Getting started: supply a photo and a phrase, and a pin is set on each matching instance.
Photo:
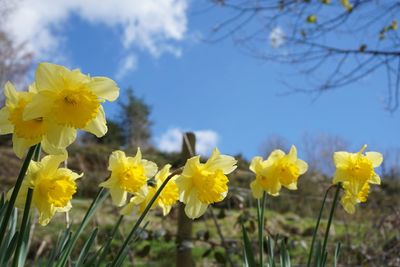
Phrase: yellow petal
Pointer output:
(118, 196)
(256, 164)
(129, 209)
(48, 78)
(21, 145)
(256, 189)
(98, 126)
(52, 162)
(5, 126)
(276, 154)
(150, 168)
(341, 159)
(138, 157)
(302, 166)
(221, 162)
(116, 158)
(375, 179)
(39, 107)
(375, 157)
(60, 136)
(11, 94)
(52, 150)
(292, 153)
(104, 88)
(292, 186)
(194, 208)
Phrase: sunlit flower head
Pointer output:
(53, 187)
(277, 171)
(167, 198)
(128, 175)
(203, 184)
(26, 133)
(355, 171)
(69, 100)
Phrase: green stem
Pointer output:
(120, 254)
(316, 227)
(260, 218)
(36, 155)
(24, 225)
(13, 198)
(335, 199)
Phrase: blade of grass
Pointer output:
(86, 247)
(330, 219)
(97, 201)
(107, 245)
(316, 227)
(271, 255)
(15, 191)
(23, 228)
(248, 250)
(337, 253)
(260, 219)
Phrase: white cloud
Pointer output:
(151, 25)
(277, 37)
(171, 141)
(128, 64)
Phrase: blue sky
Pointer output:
(192, 85)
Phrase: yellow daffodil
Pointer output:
(53, 187)
(346, 4)
(277, 171)
(203, 184)
(69, 100)
(355, 171)
(167, 198)
(26, 133)
(128, 175)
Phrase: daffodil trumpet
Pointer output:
(121, 251)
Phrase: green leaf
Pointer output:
(337, 253)
(271, 254)
(97, 201)
(86, 247)
(248, 250)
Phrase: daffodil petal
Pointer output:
(11, 94)
(47, 77)
(194, 208)
(60, 136)
(21, 145)
(375, 179)
(341, 159)
(52, 162)
(98, 126)
(118, 196)
(52, 150)
(38, 107)
(256, 189)
(255, 165)
(150, 168)
(302, 166)
(115, 157)
(5, 126)
(222, 162)
(104, 88)
(375, 157)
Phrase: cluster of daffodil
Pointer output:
(58, 103)
(355, 171)
(198, 186)
(61, 101)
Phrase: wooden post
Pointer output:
(184, 232)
